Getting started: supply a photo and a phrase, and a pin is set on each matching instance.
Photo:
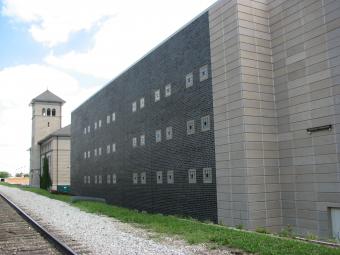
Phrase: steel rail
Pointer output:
(59, 245)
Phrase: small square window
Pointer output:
(134, 142)
(205, 123)
(207, 175)
(170, 177)
(135, 178)
(134, 106)
(113, 147)
(100, 179)
(95, 125)
(89, 154)
(113, 117)
(114, 178)
(108, 149)
(192, 175)
(88, 129)
(189, 80)
(95, 152)
(157, 95)
(100, 151)
(85, 155)
(108, 179)
(168, 133)
(108, 119)
(190, 127)
(142, 102)
(204, 75)
(158, 136)
(89, 179)
(159, 177)
(142, 140)
(168, 90)
(85, 179)
(143, 178)
(84, 131)
(95, 179)
(100, 123)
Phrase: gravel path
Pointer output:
(101, 235)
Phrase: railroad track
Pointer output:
(21, 235)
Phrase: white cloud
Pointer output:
(52, 21)
(19, 85)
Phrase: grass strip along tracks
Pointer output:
(195, 232)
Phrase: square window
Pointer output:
(142, 102)
(189, 80)
(84, 131)
(142, 140)
(95, 125)
(134, 142)
(100, 151)
(207, 175)
(88, 129)
(158, 136)
(95, 152)
(157, 95)
(114, 178)
(89, 154)
(192, 175)
(85, 155)
(143, 178)
(108, 119)
(168, 90)
(205, 123)
(108, 179)
(88, 179)
(113, 147)
(134, 106)
(85, 179)
(100, 123)
(168, 132)
(135, 178)
(95, 179)
(108, 149)
(100, 179)
(113, 117)
(204, 75)
(159, 177)
(190, 127)
(170, 177)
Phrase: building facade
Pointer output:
(249, 94)
(49, 139)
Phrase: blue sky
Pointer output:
(74, 48)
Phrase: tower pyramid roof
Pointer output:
(49, 97)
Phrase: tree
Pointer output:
(4, 174)
(19, 174)
(45, 179)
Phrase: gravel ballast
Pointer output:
(100, 234)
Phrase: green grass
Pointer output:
(195, 232)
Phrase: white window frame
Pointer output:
(135, 178)
(142, 140)
(192, 176)
(95, 125)
(99, 151)
(100, 179)
(85, 179)
(88, 129)
(143, 178)
(204, 73)
(190, 131)
(108, 149)
(95, 152)
(168, 90)
(170, 177)
(189, 80)
(99, 123)
(159, 177)
(157, 95)
(114, 178)
(168, 133)
(207, 175)
(95, 179)
(85, 131)
(134, 142)
(113, 117)
(113, 147)
(205, 119)
(142, 102)
(89, 154)
(158, 135)
(88, 179)
(108, 119)
(108, 179)
(134, 106)
(85, 154)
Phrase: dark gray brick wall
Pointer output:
(183, 53)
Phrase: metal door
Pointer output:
(335, 213)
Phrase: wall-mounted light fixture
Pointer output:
(320, 128)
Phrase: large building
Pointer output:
(51, 141)
(234, 119)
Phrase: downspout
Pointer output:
(57, 161)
